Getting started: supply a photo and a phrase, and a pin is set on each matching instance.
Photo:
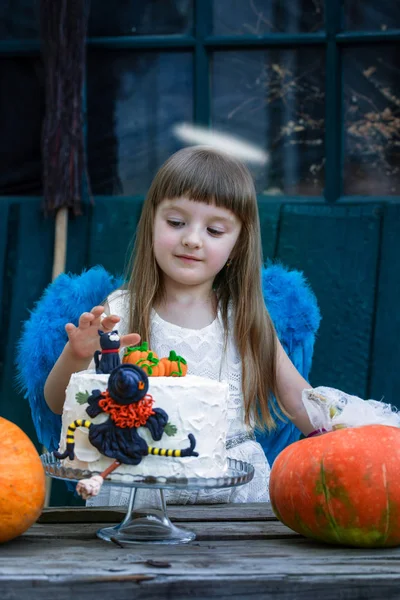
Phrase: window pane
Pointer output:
(21, 117)
(134, 102)
(140, 17)
(19, 19)
(370, 14)
(372, 121)
(275, 100)
(258, 17)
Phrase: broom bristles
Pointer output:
(63, 33)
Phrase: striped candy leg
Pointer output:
(69, 452)
(176, 453)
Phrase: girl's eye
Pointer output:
(213, 231)
(174, 223)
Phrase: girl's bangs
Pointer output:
(210, 178)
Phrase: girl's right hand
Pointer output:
(84, 340)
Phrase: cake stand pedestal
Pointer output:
(146, 519)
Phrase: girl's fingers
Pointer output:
(85, 320)
(69, 328)
(97, 311)
(109, 322)
(89, 318)
(93, 319)
(132, 339)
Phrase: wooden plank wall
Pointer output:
(349, 253)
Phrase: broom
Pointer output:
(63, 25)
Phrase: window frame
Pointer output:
(203, 45)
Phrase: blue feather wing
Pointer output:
(43, 339)
(294, 311)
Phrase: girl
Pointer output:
(195, 286)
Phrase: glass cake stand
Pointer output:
(146, 519)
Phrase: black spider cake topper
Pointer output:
(129, 407)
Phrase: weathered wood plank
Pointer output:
(385, 359)
(196, 512)
(112, 228)
(30, 265)
(44, 550)
(3, 245)
(337, 248)
(195, 565)
(296, 588)
(147, 587)
(204, 530)
(269, 222)
(78, 241)
(271, 554)
(5, 275)
(48, 561)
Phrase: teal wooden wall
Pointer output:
(348, 252)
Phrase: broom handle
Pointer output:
(60, 242)
(59, 262)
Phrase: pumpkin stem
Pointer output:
(144, 346)
(174, 357)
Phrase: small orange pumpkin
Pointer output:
(22, 482)
(152, 365)
(134, 353)
(175, 366)
(144, 358)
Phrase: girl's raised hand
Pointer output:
(84, 339)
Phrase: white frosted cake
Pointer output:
(194, 405)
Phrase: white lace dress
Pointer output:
(203, 351)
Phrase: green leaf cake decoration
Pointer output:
(82, 397)
(170, 429)
(144, 347)
(144, 362)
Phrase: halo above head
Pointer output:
(230, 144)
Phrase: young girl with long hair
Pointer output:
(195, 286)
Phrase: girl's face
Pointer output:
(193, 240)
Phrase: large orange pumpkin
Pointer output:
(342, 487)
(22, 482)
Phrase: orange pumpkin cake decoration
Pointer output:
(171, 366)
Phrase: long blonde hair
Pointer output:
(206, 175)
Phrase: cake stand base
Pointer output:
(146, 520)
(146, 524)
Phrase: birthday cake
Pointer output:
(136, 423)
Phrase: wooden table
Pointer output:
(241, 551)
